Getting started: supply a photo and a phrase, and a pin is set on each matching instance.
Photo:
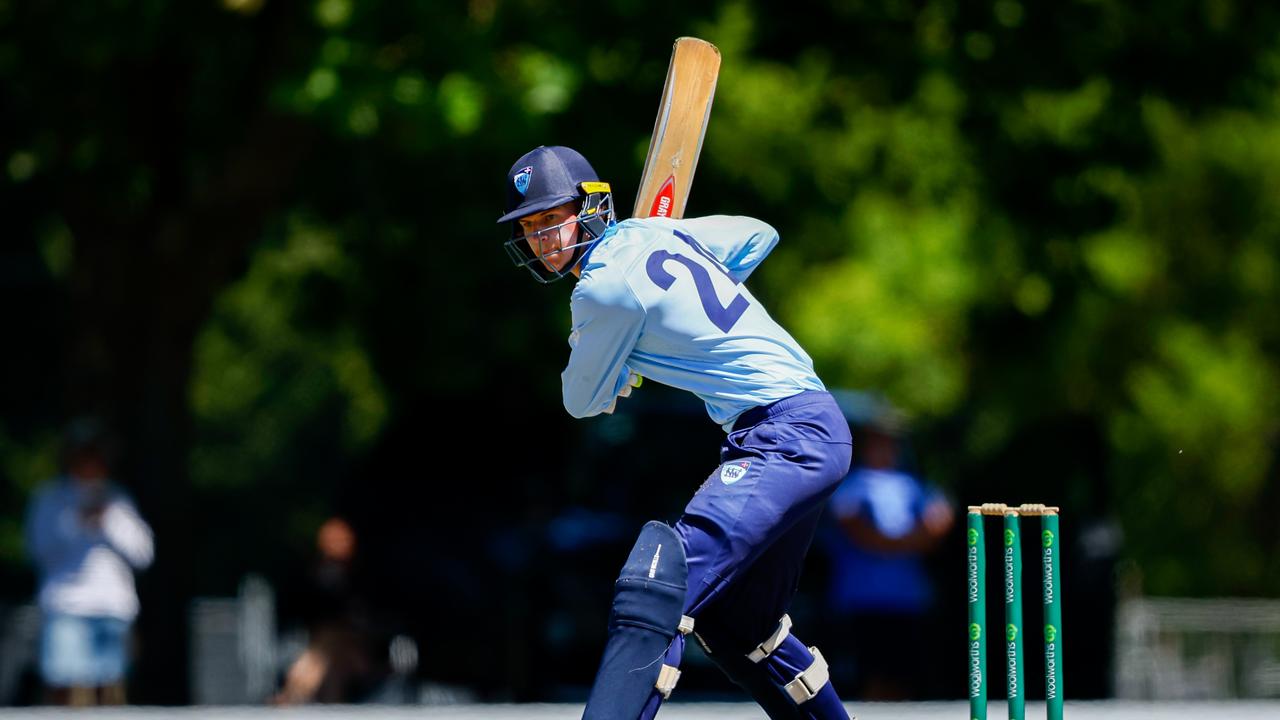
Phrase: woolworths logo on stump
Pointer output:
(973, 536)
(1050, 662)
(1048, 538)
(1011, 632)
(975, 631)
(1008, 538)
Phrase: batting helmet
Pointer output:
(547, 177)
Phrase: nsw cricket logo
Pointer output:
(522, 179)
(731, 473)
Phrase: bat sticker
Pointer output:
(666, 195)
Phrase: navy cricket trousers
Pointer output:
(747, 529)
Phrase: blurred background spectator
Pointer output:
(86, 539)
(883, 522)
(339, 663)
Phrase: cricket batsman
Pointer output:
(664, 299)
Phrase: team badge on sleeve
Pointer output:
(732, 472)
(522, 179)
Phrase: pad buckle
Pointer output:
(668, 676)
(807, 684)
(763, 650)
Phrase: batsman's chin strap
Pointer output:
(809, 681)
(670, 675)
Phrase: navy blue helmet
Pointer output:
(548, 177)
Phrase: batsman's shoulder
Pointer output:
(731, 224)
(746, 223)
(623, 246)
(634, 227)
(604, 287)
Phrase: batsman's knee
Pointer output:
(646, 629)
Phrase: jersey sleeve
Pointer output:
(607, 321)
(44, 542)
(739, 243)
(128, 533)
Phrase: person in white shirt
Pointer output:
(86, 539)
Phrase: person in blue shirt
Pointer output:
(885, 522)
(87, 540)
(665, 300)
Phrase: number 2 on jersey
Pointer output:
(721, 316)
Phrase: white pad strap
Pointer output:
(668, 676)
(807, 684)
(667, 679)
(768, 646)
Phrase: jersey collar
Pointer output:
(608, 233)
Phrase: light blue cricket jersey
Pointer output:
(664, 298)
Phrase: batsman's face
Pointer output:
(550, 232)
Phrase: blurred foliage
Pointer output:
(279, 367)
(1030, 226)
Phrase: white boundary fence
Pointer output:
(1179, 648)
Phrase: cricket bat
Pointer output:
(678, 130)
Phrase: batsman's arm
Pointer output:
(739, 243)
(607, 321)
(633, 381)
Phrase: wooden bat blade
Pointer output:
(679, 129)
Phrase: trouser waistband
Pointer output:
(757, 415)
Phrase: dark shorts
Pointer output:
(747, 529)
